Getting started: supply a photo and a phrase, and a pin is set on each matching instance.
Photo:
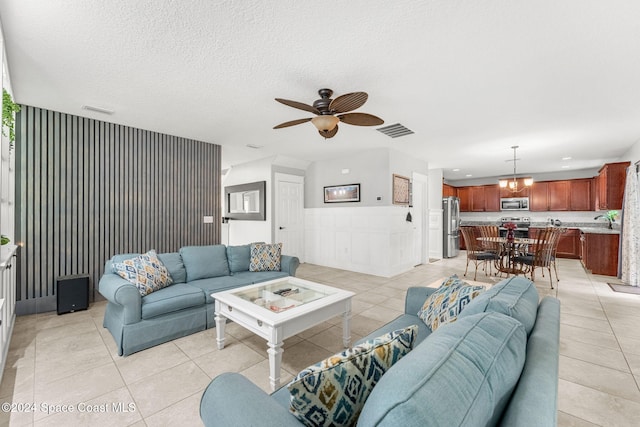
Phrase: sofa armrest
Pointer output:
(415, 298)
(534, 401)
(121, 292)
(233, 400)
(289, 264)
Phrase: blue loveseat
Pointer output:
(496, 365)
(185, 307)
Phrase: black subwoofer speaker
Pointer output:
(72, 293)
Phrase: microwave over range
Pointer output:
(514, 203)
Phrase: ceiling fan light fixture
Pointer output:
(325, 122)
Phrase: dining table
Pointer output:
(509, 249)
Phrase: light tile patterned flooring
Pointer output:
(69, 362)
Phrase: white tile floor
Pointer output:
(69, 362)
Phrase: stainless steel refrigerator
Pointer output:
(451, 226)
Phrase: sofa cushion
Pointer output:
(173, 298)
(239, 258)
(446, 303)
(145, 271)
(265, 257)
(516, 297)
(333, 391)
(173, 262)
(218, 284)
(462, 374)
(202, 262)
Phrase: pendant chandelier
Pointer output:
(513, 184)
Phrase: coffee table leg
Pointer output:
(346, 324)
(275, 360)
(220, 324)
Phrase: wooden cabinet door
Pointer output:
(580, 195)
(465, 199)
(558, 195)
(477, 198)
(539, 199)
(569, 244)
(602, 188)
(492, 198)
(448, 191)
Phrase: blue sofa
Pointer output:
(497, 364)
(138, 322)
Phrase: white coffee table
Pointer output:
(270, 311)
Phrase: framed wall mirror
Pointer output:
(246, 201)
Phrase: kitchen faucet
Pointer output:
(607, 218)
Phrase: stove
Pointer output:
(522, 226)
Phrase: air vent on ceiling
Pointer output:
(395, 131)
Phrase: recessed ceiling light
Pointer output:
(567, 158)
(97, 109)
(254, 146)
(468, 175)
(565, 166)
(456, 170)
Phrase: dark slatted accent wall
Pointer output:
(87, 189)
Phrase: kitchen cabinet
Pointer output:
(464, 194)
(611, 181)
(448, 191)
(562, 195)
(599, 253)
(580, 194)
(477, 199)
(539, 198)
(568, 243)
(559, 195)
(492, 198)
(506, 192)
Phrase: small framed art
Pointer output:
(401, 190)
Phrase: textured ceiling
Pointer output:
(470, 78)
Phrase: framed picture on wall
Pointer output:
(342, 193)
(401, 190)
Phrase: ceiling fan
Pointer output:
(325, 109)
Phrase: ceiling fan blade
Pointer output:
(360, 119)
(292, 123)
(329, 133)
(348, 102)
(299, 105)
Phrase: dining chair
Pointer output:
(476, 252)
(491, 231)
(540, 253)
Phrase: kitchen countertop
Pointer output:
(598, 230)
(585, 227)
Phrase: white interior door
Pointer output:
(289, 215)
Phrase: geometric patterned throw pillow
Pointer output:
(145, 271)
(265, 257)
(444, 305)
(333, 392)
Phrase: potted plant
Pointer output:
(9, 108)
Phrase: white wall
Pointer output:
(371, 240)
(435, 214)
(633, 155)
(238, 232)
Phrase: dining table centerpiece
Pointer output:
(510, 226)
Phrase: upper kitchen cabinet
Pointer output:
(564, 195)
(465, 199)
(580, 195)
(479, 198)
(449, 191)
(610, 185)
